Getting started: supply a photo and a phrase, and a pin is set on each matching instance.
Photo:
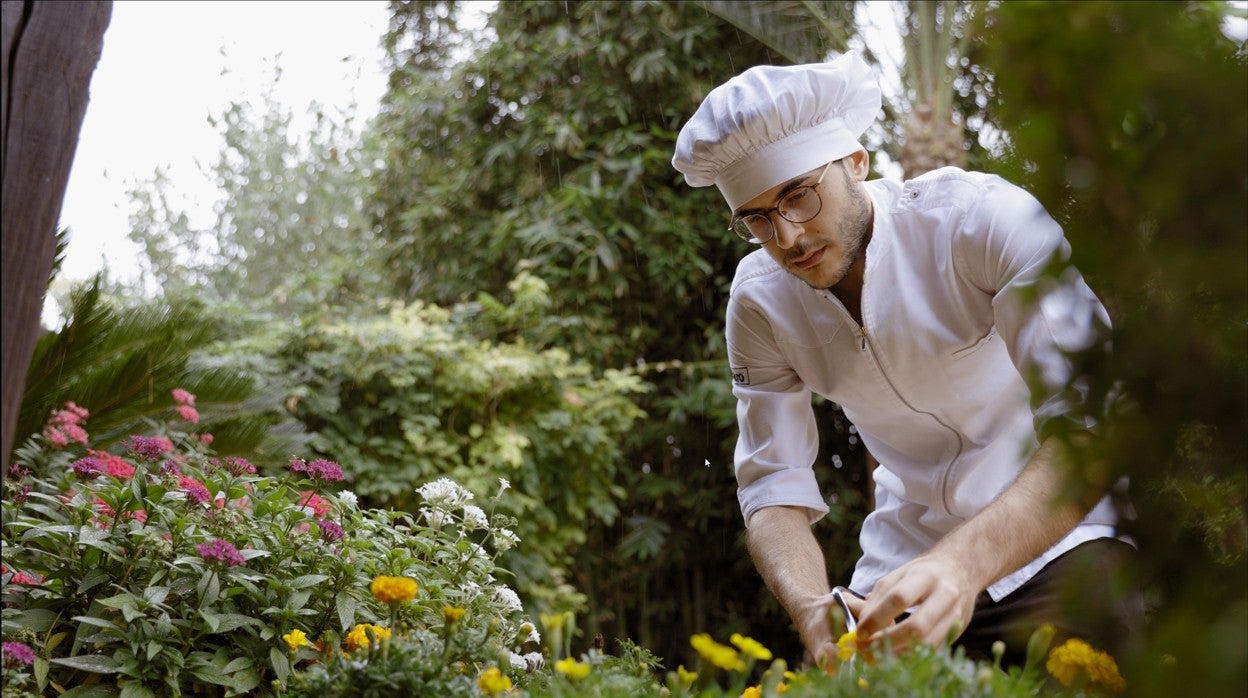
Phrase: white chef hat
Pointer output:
(772, 123)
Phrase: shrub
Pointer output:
(163, 569)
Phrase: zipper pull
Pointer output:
(862, 336)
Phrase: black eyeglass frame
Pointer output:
(766, 213)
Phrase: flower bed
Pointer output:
(165, 570)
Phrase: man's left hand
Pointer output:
(935, 589)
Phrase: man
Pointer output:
(921, 308)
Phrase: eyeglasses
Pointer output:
(798, 206)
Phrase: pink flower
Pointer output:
(220, 551)
(206, 439)
(330, 531)
(115, 466)
(319, 505)
(188, 413)
(17, 653)
(87, 468)
(23, 578)
(182, 397)
(75, 433)
(196, 493)
(56, 437)
(234, 464)
(148, 446)
(80, 412)
(320, 469)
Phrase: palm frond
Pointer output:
(802, 31)
(122, 365)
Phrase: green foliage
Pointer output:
(1141, 154)
(121, 364)
(420, 392)
(293, 228)
(116, 587)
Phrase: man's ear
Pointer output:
(859, 164)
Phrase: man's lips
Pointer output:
(809, 260)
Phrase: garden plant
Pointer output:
(163, 569)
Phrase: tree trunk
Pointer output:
(50, 50)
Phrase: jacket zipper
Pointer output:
(861, 330)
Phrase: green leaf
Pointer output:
(93, 579)
(232, 621)
(346, 610)
(95, 663)
(307, 580)
(134, 690)
(280, 663)
(93, 691)
(213, 675)
(211, 619)
(99, 623)
(39, 620)
(156, 594)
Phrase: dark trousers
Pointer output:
(1088, 592)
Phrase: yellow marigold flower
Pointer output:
(781, 688)
(393, 589)
(1076, 657)
(716, 654)
(685, 676)
(847, 646)
(492, 681)
(296, 639)
(752, 692)
(572, 669)
(453, 614)
(358, 637)
(863, 683)
(751, 647)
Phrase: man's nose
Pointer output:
(787, 232)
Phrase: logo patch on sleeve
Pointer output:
(741, 376)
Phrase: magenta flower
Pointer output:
(220, 551)
(18, 653)
(330, 531)
(87, 468)
(22, 494)
(323, 470)
(196, 493)
(148, 446)
(234, 464)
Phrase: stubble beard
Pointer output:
(855, 228)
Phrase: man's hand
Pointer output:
(818, 635)
(941, 596)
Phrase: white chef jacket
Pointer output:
(954, 314)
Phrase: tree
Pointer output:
(292, 228)
(1142, 154)
(935, 120)
(50, 51)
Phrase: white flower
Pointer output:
(433, 517)
(444, 493)
(474, 518)
(517, 661)
(505, 539)
(503, 485)
(533, 635)
(508, 599)
(534, 660)
(348, 499)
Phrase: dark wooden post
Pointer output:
(50, 50)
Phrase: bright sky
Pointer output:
(167, 66)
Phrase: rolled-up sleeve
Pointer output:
(778, 438)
